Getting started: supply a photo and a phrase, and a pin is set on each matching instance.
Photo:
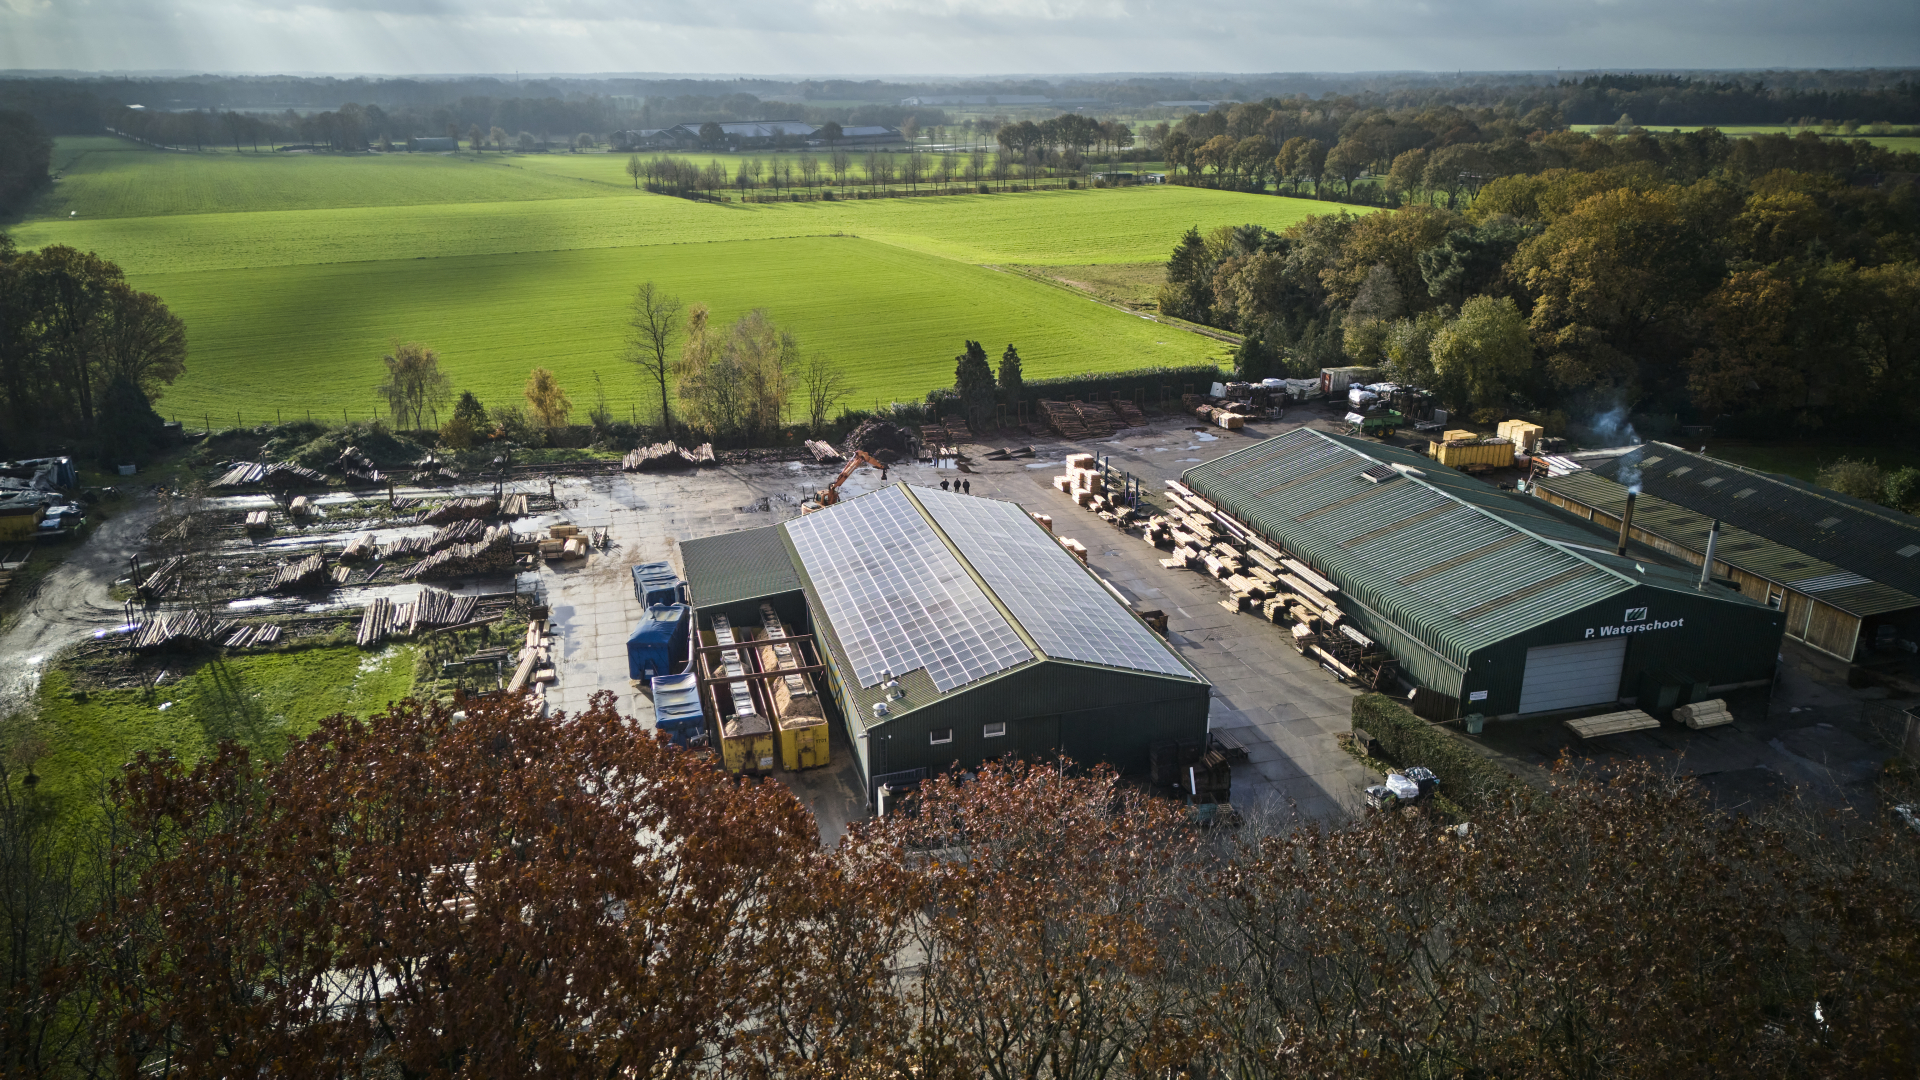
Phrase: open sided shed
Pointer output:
(1501, 603)
(955, 629)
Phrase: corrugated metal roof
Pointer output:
(1852, 535)
(1737, 546)
(735, 566)
(1454, 562)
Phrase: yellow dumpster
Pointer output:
(1525, 435)
(1491, 452)
(746, 735)
(800, 724)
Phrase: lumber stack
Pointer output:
(1704, 714)
(360, 547)
(1613, 723)
(1075, 547)
(535, 654)
(339, 575)
(491, 554)
(300, 507)
(299, 574)
(824, 452)
(1067, 419)
(1129, 413)
(514, 505)
(375, 620)
(1086, 484)
(666, 455)
(406, 545)
(460, 532)
(458, 510)
(258, 521)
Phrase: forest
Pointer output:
(1764, 283)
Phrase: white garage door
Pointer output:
(1569, 676)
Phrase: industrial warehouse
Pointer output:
(1845, 572)
(1494, 603)
(951, 629)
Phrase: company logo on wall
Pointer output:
(1635, 621)
(1636, 614)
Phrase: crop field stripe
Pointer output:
(311, 337)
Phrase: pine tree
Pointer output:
(973, 378)
(1010, 378)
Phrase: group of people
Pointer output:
(964, 487)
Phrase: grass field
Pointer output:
(295, 272)
(259, 701)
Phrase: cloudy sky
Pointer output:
(962, 37)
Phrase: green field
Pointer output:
(295, 272)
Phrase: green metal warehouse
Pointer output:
(955, 630)
(1498, 603)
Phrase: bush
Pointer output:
(1465, 777)
(1852, 476)
(1902, 489)
(518, 428)
(373, 439)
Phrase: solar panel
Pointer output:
(1066, 612)
(897, 598)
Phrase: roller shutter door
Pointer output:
(1569, 676)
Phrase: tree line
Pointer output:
(82, 354)
(877, 171)
(497, 893)
(26, 158)
(1774, 279)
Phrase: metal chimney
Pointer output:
(1626, 522)
(1706, 568)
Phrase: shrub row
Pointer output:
(1407, 740)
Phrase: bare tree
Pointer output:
(826, 385)
(652, 324)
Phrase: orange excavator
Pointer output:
(830, 494)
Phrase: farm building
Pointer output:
(1839, 568)
(1495, 603)
(428, 144)
(955, 629)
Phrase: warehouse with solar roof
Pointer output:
(955, 629)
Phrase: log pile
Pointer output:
(301, 507)
(180, 628)
(433, 607)
(258, 521)
(460, 532)
(299, 574)
(375, 619)
(360, 547)
(514, 505)
(253, 637)
(666, 455)
(459, 510)
(163, 580)
(536, 657)
(1130, 414)
(406, 545)
(1077, 420)
(491, 554)
(824, 452)
(247, 473)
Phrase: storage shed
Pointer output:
(955, 629)
(1494, 602)
(1839, 568)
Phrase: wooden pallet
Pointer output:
(1613, 723)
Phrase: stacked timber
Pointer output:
(514, 505)
(491, 554)
(458, 510)
(339, 575)
(666, 455)
(300, 574)
(253, 637)
(164, 579)
(360, 547)
(433, 607)
(301, 507)
(460, 532)
(1045, 521)
(536, 659)
(258, 521)
(824, 452)
(375, 620)
(180, 628)
(1704, 714)
(406, 545)
(248, 473)
(1008, 453)
(1072, 422)
(1087, 485)
(1075, 547)
(1129, 413)
(1613, 723)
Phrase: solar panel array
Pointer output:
(896, 596)
(1066, 612)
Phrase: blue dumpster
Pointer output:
(676, 707)
(657, 641)
(656, 583)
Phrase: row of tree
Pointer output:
(498, 893)
(1700, 276)
(26, 157)
(875, 170)
(82, 353)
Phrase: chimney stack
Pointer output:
(1626, 522)
(1706, 568)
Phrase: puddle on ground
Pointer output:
(1189, 459)
(1047, 465)
(1204, 437)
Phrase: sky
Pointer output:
(951, 37)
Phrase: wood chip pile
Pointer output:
(491, 554)
(1264, 579)
(299, 574)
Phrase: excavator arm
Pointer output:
(831, 493)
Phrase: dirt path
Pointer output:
(70, 602)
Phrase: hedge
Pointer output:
(1465, 777)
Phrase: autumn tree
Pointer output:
(653, 322)
(469, 422)
(635, 169)
(414, 384)
(499, 894)
(548, 402)
(1485, 351)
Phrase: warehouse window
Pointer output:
(938, 736)
(993, 731)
